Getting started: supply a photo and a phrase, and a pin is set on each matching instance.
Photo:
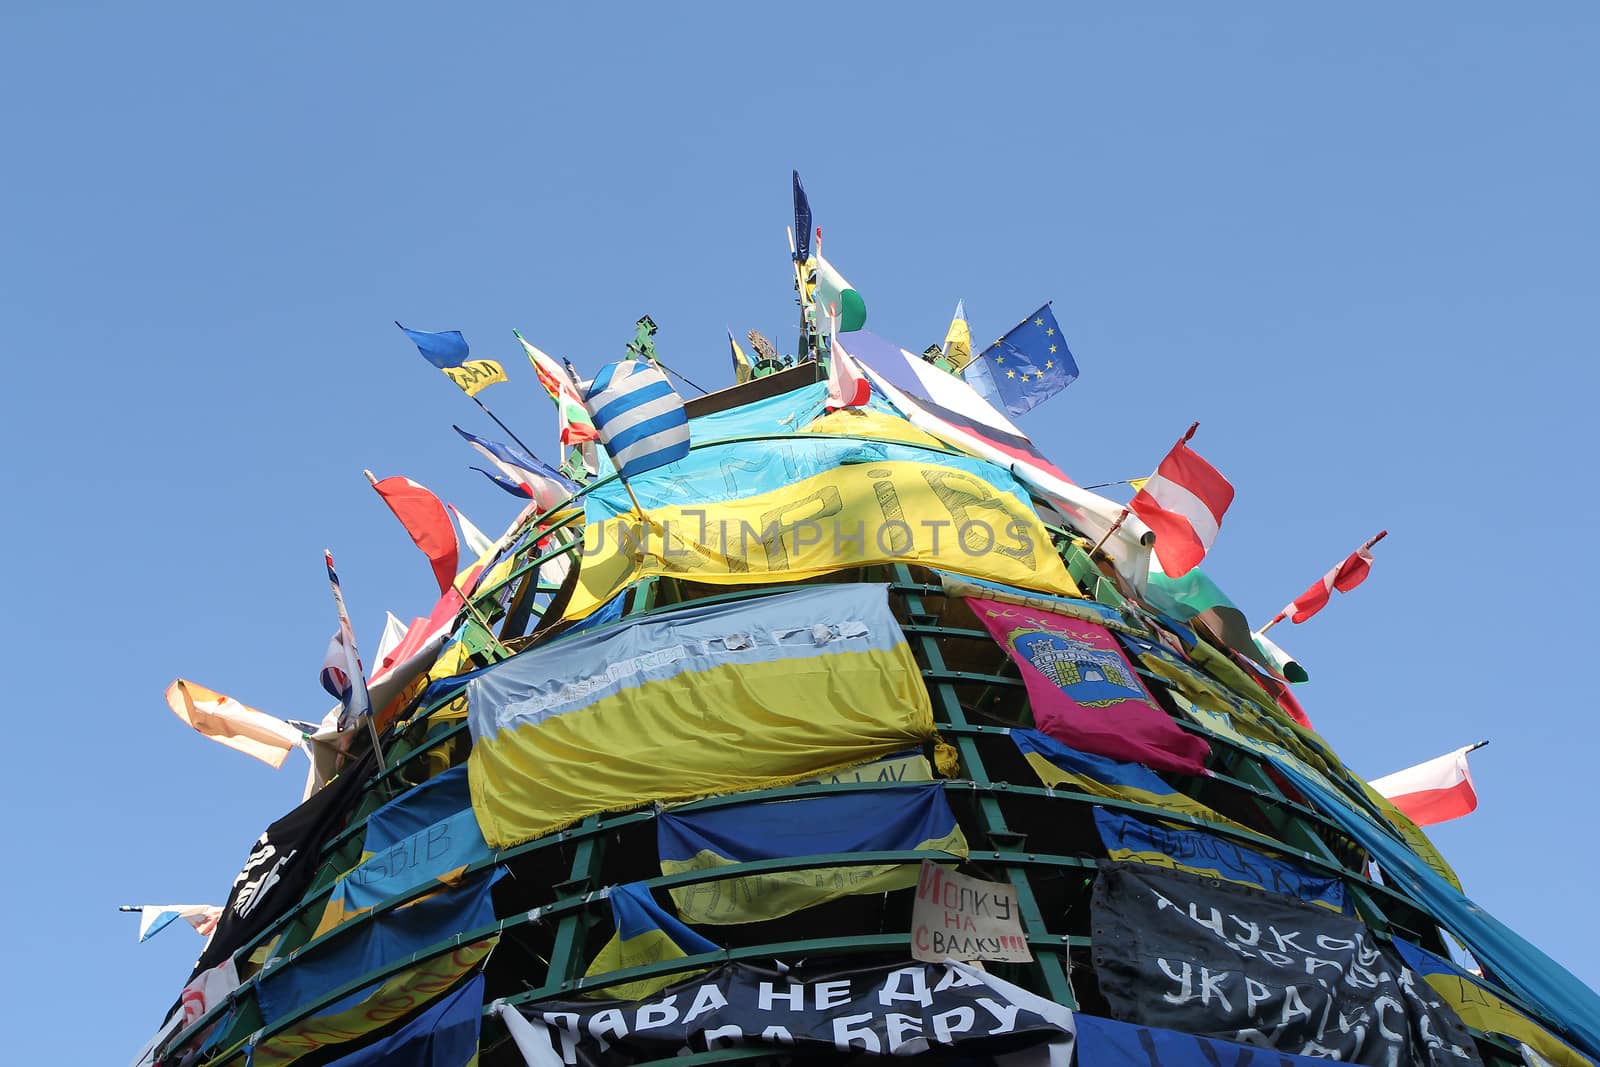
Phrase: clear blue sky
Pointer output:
(1357, 243)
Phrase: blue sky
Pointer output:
(1356, 243)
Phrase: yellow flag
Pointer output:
(475, 375)
(958, 341)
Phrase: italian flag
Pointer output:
(576, 426)
(836, 298)
(1183, 503)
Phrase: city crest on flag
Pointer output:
(1093, 677)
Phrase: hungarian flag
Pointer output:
(1434, 791)
(576, 426)
(1183, 503)
(426, 520)
(1351, 572)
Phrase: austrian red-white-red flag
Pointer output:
(1434, 791)
(1350, 572)
(847, 386)
(1183, 504)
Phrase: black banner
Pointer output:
(895, 1009)
(1208, 957)
(281, 864)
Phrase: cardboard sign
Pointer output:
(961, 918)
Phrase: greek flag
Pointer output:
(639, 417)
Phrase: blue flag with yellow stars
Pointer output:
(1026, 367)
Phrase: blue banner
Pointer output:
(1105, 1043)
(446, 1033)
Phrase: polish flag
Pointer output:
(1183, 503)
(1434, 791)
(847, 386)
(1345, 577)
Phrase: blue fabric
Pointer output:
(447, 349)
(635, 913)
(517, 465)
(368, 945)
(616, 400)
(608, 612)
(416, 809)
(1573, 1007)
(802, 220)
(430, 853)
(1026, 367)
(1105, 1043)
(1203, 853)
(445, 1035)
(874, 820)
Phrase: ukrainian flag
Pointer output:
(875, 820)
(1057, 765)
(1482, 1010)
(1215, 857)
(645, 934)
(712, 698)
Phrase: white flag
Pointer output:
(224, 719)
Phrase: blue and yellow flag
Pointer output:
(448, 351)
(875, 820)
(645, 934)
(714, 698)
(1482, 1009)
(1215, 857)
(1099, 776)
(840, 504)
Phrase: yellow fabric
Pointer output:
(958, 342)
(1484, 1011)
(402, 994)
(757, 897)
(475, 375)
(723, 730)
(651, 946)
(879, 425)
(1052, 776)
(894, 511)
(907, 768)
(947, 760)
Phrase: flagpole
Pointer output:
(497, 422)
(1114, 528)
(1477, 746)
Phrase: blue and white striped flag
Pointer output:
(639, 417)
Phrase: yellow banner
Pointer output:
(890, 512)
(475, 375)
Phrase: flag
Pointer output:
(1432, 792)
(958, 339)
(802, 221)
(742, 368)
(224, 719)
(477, 541)
(645, 934)
(522, 473)
(824, 512)
(1026, 367)
(390, 935)
(835, 296)
(1107, 1043)
(1183, 502)
(1084, 692)
(947, 407)
(448, 352)
(396, 997)
(1197, 600)
(1057, 764)
(691, 702)
(576, 426)
(847, 388)
(154, 918)
(342, 674)
(426, 520)
(444, 1034)
(875, 820)
(208, 988)
(394, 632)
(1482, 1009)
(1350, 572)
(639, 417)
(1278, 659)
(1213, 856)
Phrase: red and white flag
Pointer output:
(1434, 791)
(426, 520)
(847, 386)
(1351, 572)
(1183, 503)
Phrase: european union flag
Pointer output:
(1026, 367)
